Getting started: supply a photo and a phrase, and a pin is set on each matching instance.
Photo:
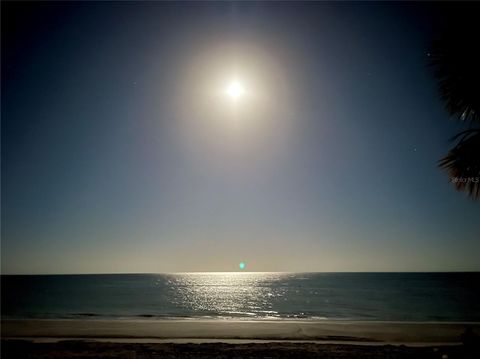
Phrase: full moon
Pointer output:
(235, 90)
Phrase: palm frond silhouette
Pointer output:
(456, 62)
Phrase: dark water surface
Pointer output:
(348, 296)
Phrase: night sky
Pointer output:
(119, 153)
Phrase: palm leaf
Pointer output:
(456, 60)
(463, 162)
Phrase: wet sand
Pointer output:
(331, 331)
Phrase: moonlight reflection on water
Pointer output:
(229, 293)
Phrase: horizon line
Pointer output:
(239, 272)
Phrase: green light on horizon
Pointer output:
(242, 265)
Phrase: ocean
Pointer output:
(438, 297)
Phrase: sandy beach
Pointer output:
(95, 349)
(232, 339)
(351, 331)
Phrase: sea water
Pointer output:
(453, 297)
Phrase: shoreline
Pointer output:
(202, 330)
(240, 320)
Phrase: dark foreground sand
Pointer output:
(82, 349)
(236, 339)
